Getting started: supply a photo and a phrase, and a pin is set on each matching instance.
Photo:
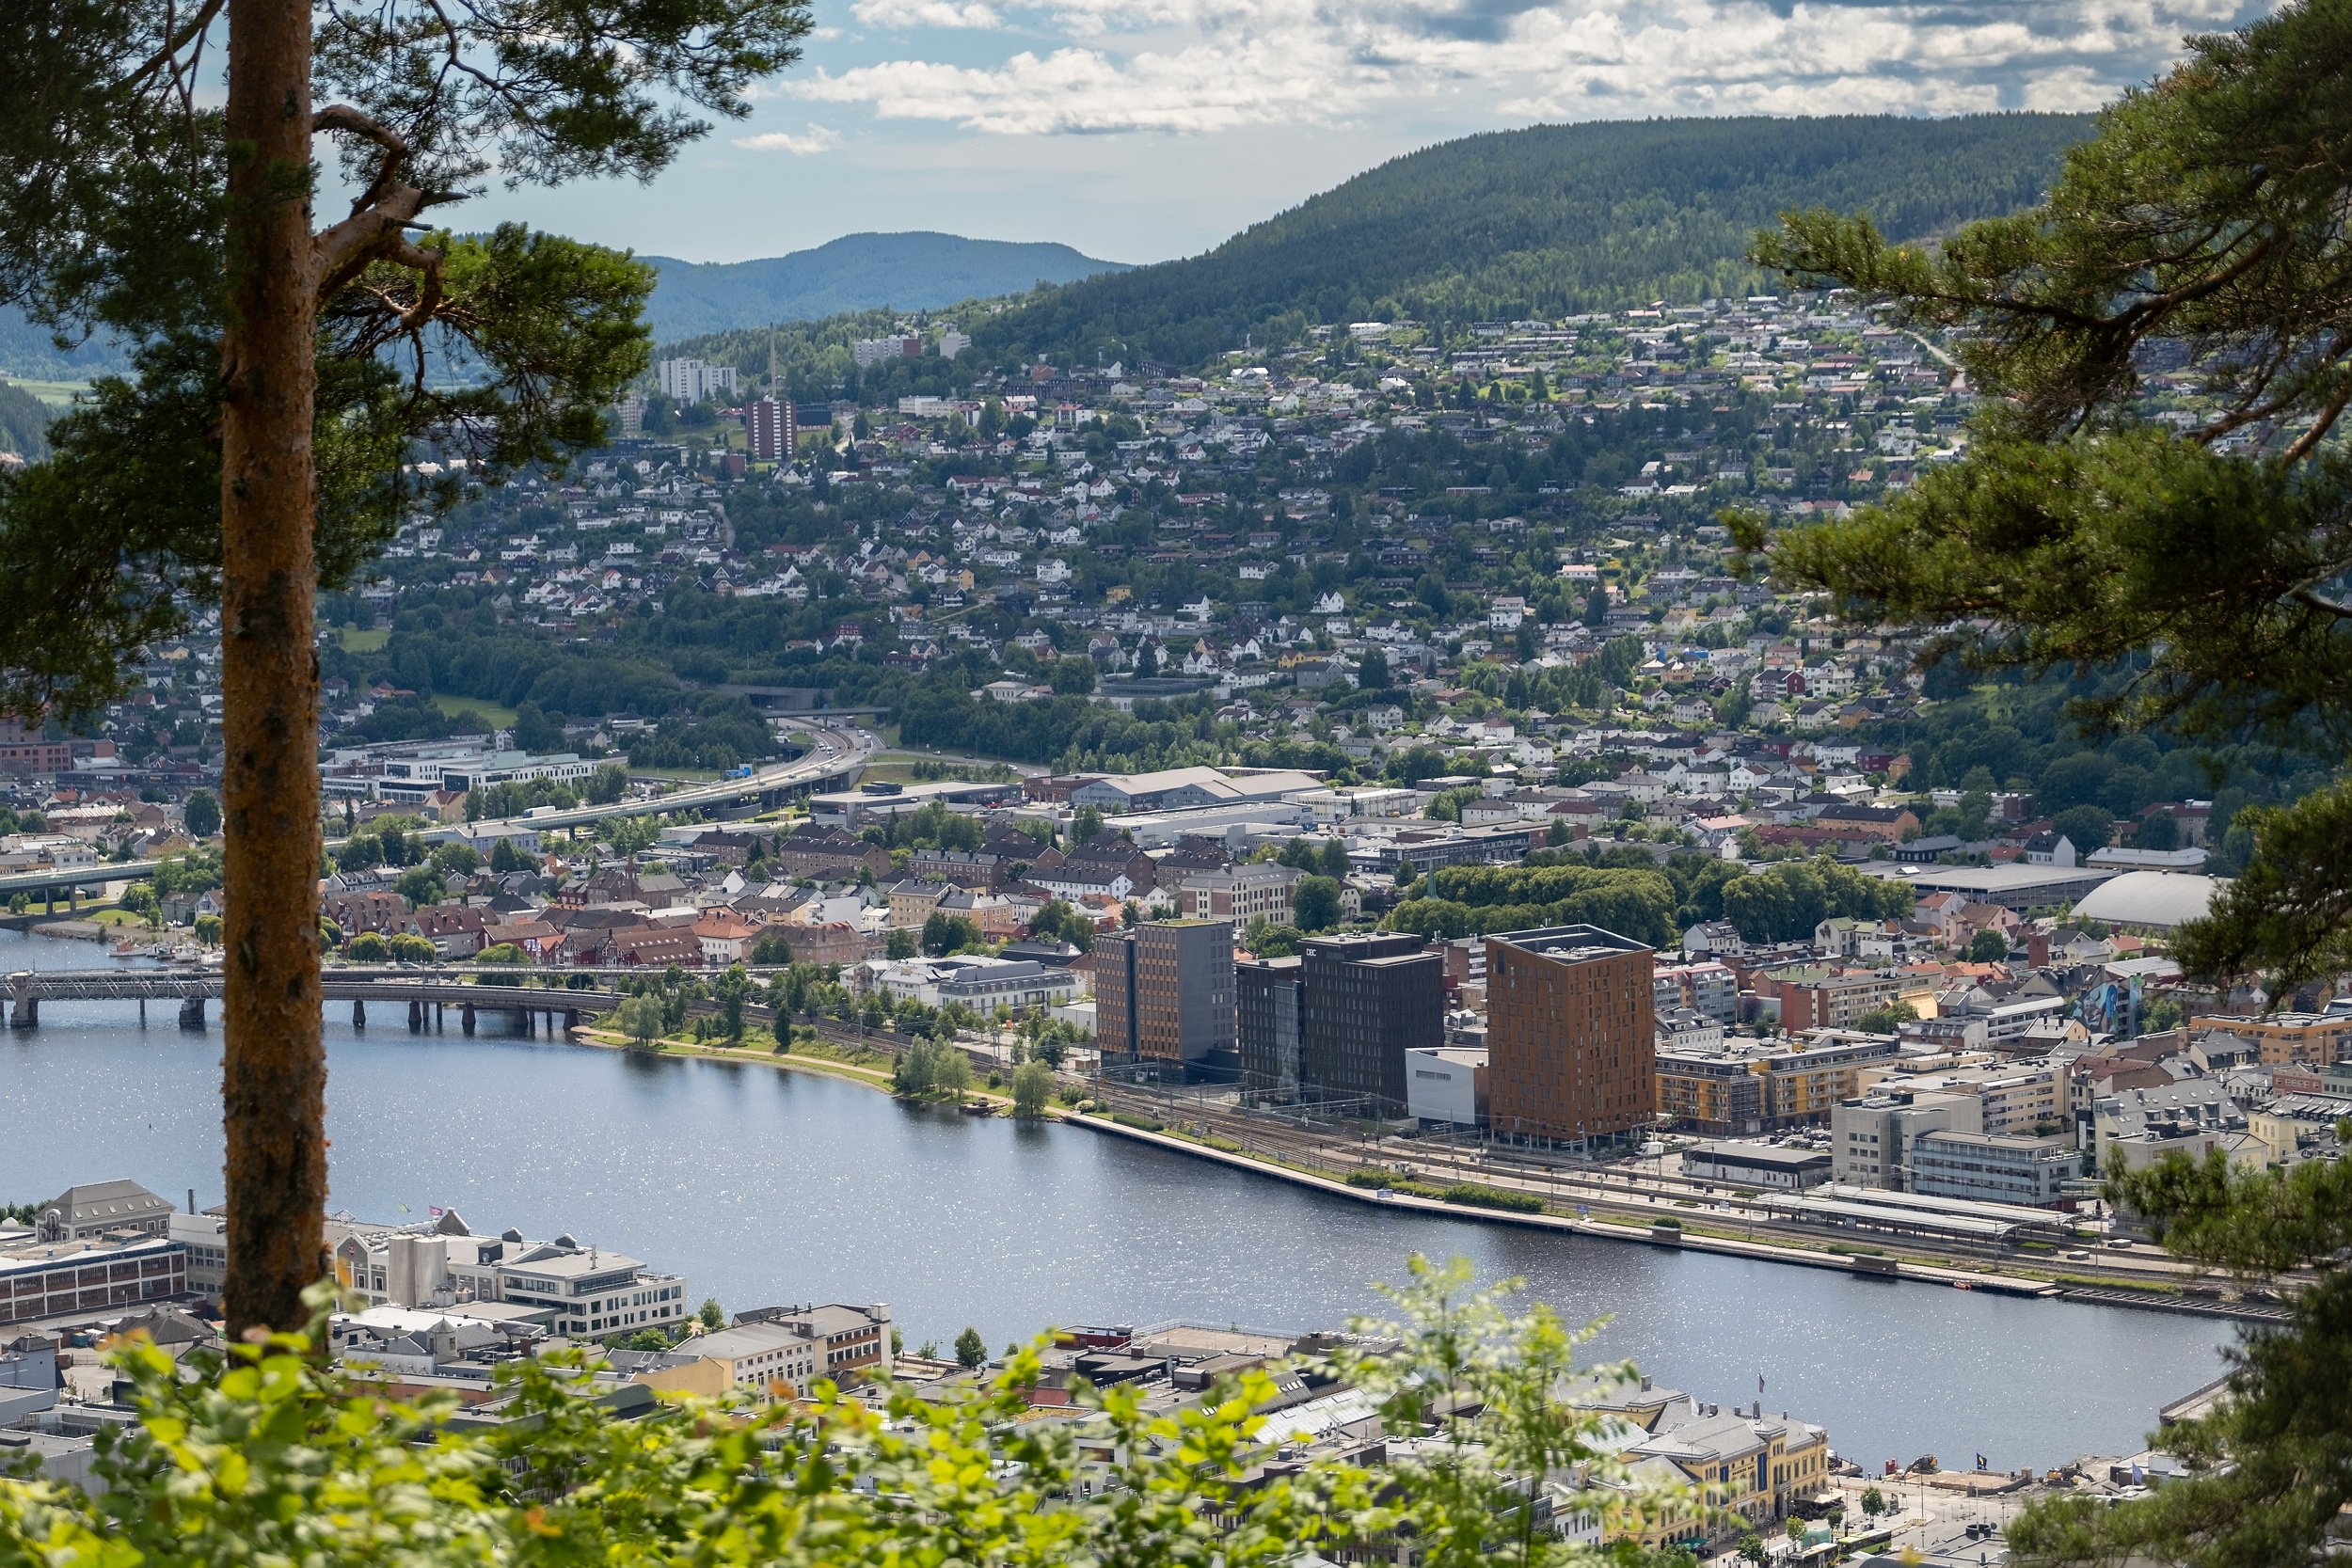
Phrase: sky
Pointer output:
(1139, 130)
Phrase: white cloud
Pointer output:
(816, 139)
(1210, 65)
(927, 13)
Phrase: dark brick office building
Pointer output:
(1335, 1021)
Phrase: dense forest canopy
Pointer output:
(1545, 222)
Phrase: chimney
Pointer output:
(191, 1201)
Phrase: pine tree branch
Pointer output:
(162, 58)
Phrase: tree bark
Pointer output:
(274, 1071)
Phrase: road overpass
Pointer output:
(834, 758)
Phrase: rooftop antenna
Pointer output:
(771, 358)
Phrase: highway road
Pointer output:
(832, 750)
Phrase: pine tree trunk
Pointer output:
(274, 1075)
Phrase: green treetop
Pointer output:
(2200, 562)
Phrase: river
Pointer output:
(764, 1186)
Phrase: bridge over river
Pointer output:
(428, 995)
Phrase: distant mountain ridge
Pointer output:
(914, 271)
(1546, 222)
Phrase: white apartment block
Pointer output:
(869, 352)
(693, 381)
(583, 1291)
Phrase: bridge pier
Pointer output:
(441, 1016)
(192, 1014)
(359, 1014)
(25, 1014)
(571, 1018)
(466, 1019)
(415, 1018)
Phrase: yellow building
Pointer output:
(1765, 1089)
(2313, 1039)
(1724, 1469)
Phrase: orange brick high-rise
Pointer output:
(1570, 1035)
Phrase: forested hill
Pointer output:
(23, 423)
(1547, 222)
(856, 272)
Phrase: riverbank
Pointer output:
(1622, 1228)
(790, 1061)
(1688, 1240)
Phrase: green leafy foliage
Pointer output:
(1060, 921)
(1316, 904)
(721, 732)
(269, 1456)
(642, 1019)
(946, 934)
(23, 423)
(1787, 901)
(1032, 1089)
(931, 1067)
(201, 814)
(2200, 229)
(1475, 1195)
(1469, 900)
(1886, 1020)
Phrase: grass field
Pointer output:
(55, 393)
(886, 768)
(371, 641)
(483, 712)
(899, 767)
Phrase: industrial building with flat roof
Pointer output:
(2018, 887)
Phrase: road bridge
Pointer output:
(426, 995)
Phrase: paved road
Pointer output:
(832, 751)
